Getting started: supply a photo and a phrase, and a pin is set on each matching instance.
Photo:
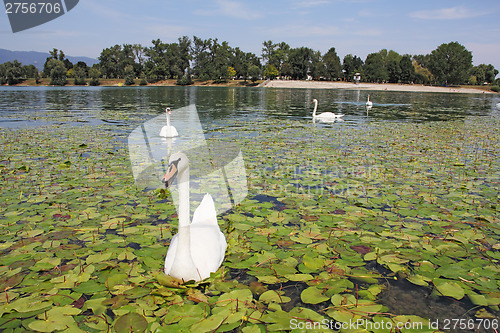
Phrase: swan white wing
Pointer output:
(172, 250)
(168, 131)
(327, 115)
(206, 213)
(208, 248)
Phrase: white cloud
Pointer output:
(231, 8)
(312, 3)
(453, 13)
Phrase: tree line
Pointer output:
(209, 59)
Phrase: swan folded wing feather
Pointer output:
(172, 249)
(208, 247)
(168, 131)
(329, 115)
(205, 213)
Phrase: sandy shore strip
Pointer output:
(369, 86)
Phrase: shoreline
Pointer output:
(371, 86)
(287, 84)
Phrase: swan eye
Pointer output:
(171, 173)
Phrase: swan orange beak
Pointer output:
(171, 173)
(168, 110)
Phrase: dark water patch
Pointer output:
(278, 205)
(402, 297)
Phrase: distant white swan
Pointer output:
(199, 247)
(368, 102)
(168, 131)
(326, 117)
(498, 105)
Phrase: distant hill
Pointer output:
(38, 58)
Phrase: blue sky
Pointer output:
(358, 27)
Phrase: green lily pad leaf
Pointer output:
(313, 295)
(370, 256)
(477, 299)
(10, 282)
(301, 239)
(341, 315)
(98, 257)
(268, 279)
(197, 296)
(274, 296)
(95, 305)
(210, 324)
(279, 320)
(251, 329)
(418, 280)
(236, 298)
(299, 277)
(29, 304)
(168, 281)
(52, 323)
(423, 323)
(449, 288)
(131, 322)
(313, 263)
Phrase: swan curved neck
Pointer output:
(168, 119)
(315, 108)
(184, 210)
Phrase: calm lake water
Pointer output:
(405, 178)
(127, 107)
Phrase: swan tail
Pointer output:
(205, 213)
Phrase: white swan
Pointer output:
(199, 247)
(369, 103)
(168, 131)
(498, 106)
(326, 117)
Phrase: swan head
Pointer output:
(177, 163)
(314, 101)
(168, 110)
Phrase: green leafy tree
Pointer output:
(422, 59)
(55, 54)
(407, 69)
(109, 62)
(240, 61)
(57, 72)
(286, 69)
(300, 60)
(374, 68)
(202, 57)
(94, 75)
(422, 74)
(270, 72)
(14, 72)
(30, 71)
(350, 66)
(392, 61)
(275, 54)
(451, 63)
(332, 64)
(318, 69)
(184, 54)
(484, 73)
(129, 75)
(254, 72)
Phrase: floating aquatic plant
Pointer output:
(333, 216)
